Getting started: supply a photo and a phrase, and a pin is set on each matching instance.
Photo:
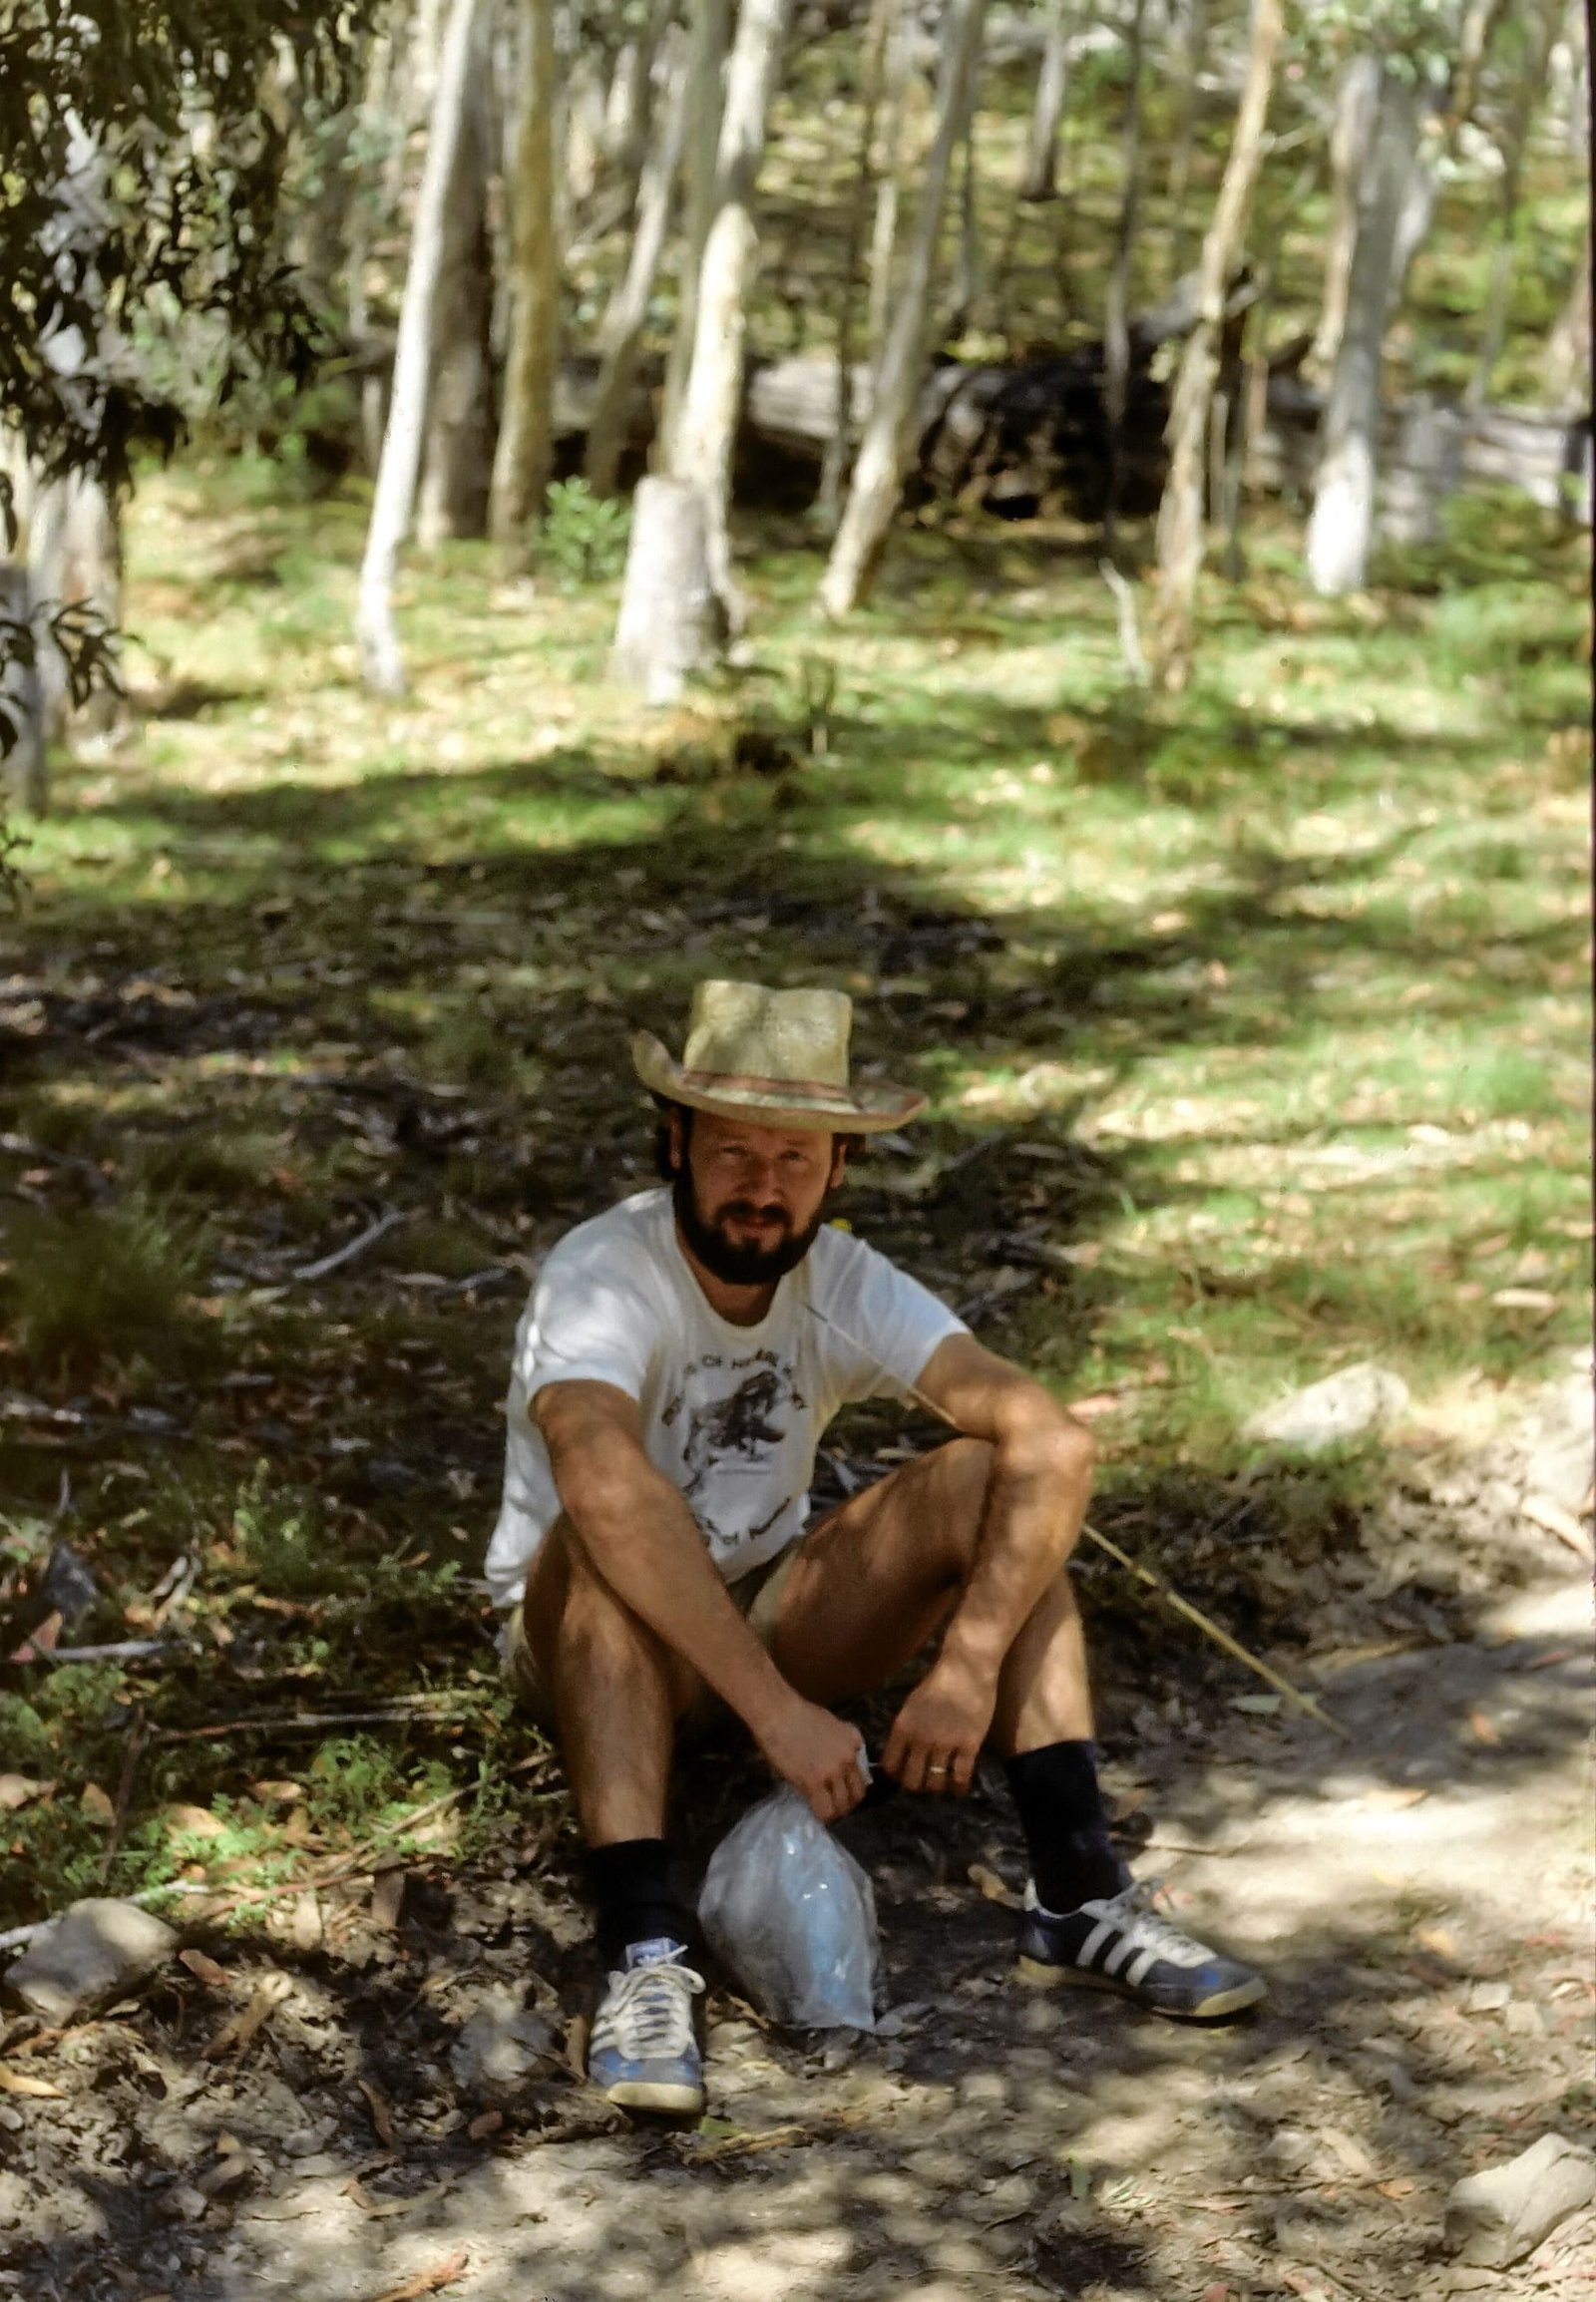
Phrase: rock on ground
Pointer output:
(92, 1953)
(500, 2048)
(1496, 2217)
(1345, 1404)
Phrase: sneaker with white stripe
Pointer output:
(644, 2050)
(1122, 1944)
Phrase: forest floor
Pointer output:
(1256, 1030)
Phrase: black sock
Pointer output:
(1066, 1831)
(637, 1895)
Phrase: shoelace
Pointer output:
(1133, 1908)
(650, 2010)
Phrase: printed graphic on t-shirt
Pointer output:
(736, 1413)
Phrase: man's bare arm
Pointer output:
(642, 1539)
(1035, 1505)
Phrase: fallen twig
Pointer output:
(305, 1723)
(138, 1738)
(237, 2032)
(326, 1264)
(119, 1651)
(1148, 1575)
(427, 2281)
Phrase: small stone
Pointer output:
(1496, 2217)
(1488, 1996)
(501, 2047)
(94, 1952)
(1344, 1405)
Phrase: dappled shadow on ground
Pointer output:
(992, 2141)
(400, 1011)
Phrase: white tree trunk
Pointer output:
(708, 29)
(393, 499)
(457, 461)
(701, 447)
(524, 459)
(889, 173)
(24, 757)
(1180, 510)
(1352, 132)
(1040, 179)
(1340, 527)
(669, 625)
(629, 108)
(887, 441)
(622, 332)
(1566, 373)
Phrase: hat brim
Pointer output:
(863, 1110)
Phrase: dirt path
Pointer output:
(1421, 1897)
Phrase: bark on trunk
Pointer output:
(1352, 132)
(1340, 527)
(382, 663)
(890, 178)
(670, 627)
(1515, 136)
(525, 457)
(1180, 513)
(1116, 318)
(457, 463)
(621, 335)
(700, 449)
(1193, 41)
(1566, 369)
(888, 442)
(839, 449)
(709, 29)
(74, 556)
(1040, 179)
(24, 765)
(630, 110)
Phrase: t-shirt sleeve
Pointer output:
(883, 1325)
(590, 1319)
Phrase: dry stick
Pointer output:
(367, 1239)
(1154, 1581)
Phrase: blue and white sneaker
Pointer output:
(643, 2050)
(1122, 1944)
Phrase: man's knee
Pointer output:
(591, 1626)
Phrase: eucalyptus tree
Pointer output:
(167, 109)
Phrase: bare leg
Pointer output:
(876, 1578)
(618, 1693)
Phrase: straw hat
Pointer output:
(777, 1058)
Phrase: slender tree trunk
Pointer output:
(1116, 317)
(24, 752)
(888, 440)
(1180, 513)
(1516, 137)
(1340, 527)
(709, 32)
(701, 449)
(1350, 135)
(701, 443)
(890, 177)
(629, 108)
(621, 335)
(393, 499)
(967, 282)
(524, 460)
(1040, 178)
(872, 72)
(1565, 372)
(456, 461)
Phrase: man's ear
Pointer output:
(839, 1161)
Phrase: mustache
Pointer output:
(745, 1211)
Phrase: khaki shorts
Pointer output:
(756, 1596)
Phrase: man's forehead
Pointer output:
(712, 1131)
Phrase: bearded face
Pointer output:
(750, 1200)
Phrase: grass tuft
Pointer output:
(101, 1284)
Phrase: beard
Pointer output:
(721, 1257)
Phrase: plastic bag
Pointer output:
(792, 1916)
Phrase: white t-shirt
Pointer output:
(731, 1414)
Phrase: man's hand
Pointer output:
(819, 1754)
(936, 1737)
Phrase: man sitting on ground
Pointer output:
(675, 1369)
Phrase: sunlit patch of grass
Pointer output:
(101, 1282)
(215, 1161)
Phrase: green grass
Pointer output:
(1270, 1007)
